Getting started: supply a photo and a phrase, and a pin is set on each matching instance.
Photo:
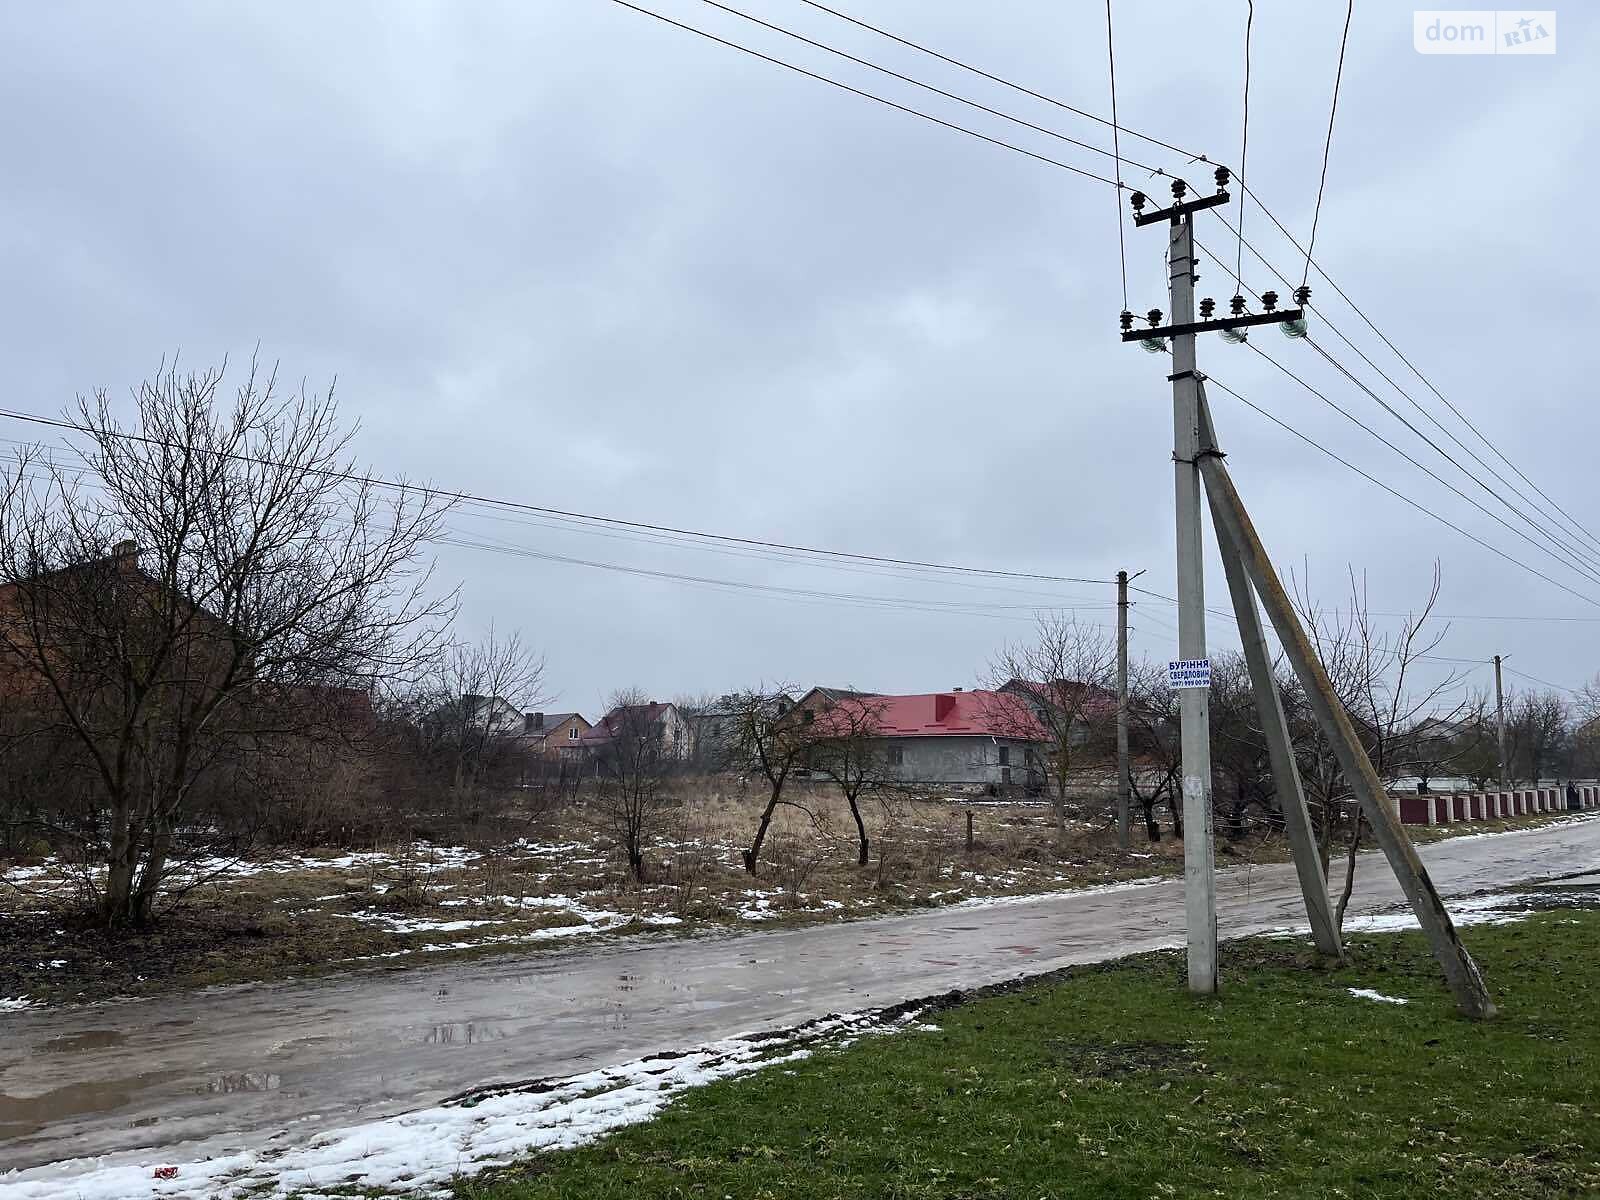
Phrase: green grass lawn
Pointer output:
(1114, 1082)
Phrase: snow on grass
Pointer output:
(1369, 994)
(1501, 908)
(16, 1003)
(395, 923)
(420, 1153)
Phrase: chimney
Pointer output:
(532, 722)
(955, 689)
(125, 554)
(943, 705)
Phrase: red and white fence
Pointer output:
(1447, 808)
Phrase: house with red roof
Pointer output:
(957, 738)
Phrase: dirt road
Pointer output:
(194, 1074)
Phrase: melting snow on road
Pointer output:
(1369, 994)
(419, 1153)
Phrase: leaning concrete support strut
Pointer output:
(1275, 726)
(1460, 971)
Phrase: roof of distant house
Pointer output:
(1064, 694)
(552, 720)
(836, 694)
(943, 714)
(607, 726)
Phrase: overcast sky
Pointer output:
(561, 253)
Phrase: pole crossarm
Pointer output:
(1272, 318)
(1461, 972)
(1176, 212)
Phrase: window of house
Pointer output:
(1005, 755)
(896, 756)
(572, 732)
(807, 716)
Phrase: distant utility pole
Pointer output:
(1124, 767)
(1500, 722)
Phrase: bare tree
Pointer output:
(1240, 763)
(770, 743)
(1536, 733)
(1376, 677)
(191, 587)
(477, 694)
(633, 763)
(1153, 738)
(848, 749)
(1066, 675)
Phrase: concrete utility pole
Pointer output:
(1124, 767)
(1191, 676)
(1199, 850)
(1500, 722)
(1196, 455)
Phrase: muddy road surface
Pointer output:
(182, 1076)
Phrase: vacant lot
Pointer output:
(1113, 1082)
(553, 880)
(270, 914)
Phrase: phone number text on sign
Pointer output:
(1189, 673)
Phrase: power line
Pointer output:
(1428, 471)
(1249, 193)
(866, 95)
(618, 522)
(1016, 87)
(1581, 553)
(1560, 687)
(1577, 527)
(1401, 496)
(1327, 145)
(986, 109)
(1116, 150)
(928, 87)
(1244, 138)
(456, 537)
(1585, 559)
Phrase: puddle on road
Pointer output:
(464, 1033)
(242, 1081)
(89, 1039)
(24, 1115)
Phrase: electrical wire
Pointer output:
(866, 95)
(1327, 145)
(457, 537)
(1581, 552)
(1560, 687)
(1244, 138)
(1401, 496)
(522, 506)
(1016, 87)
(1117, 183)
(1576, 527)
(1116, 150)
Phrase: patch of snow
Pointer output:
(1043, 897)
(399, 924)
(1369, 994)
(16, 1003)
(420, 1153)
(1503, 908)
